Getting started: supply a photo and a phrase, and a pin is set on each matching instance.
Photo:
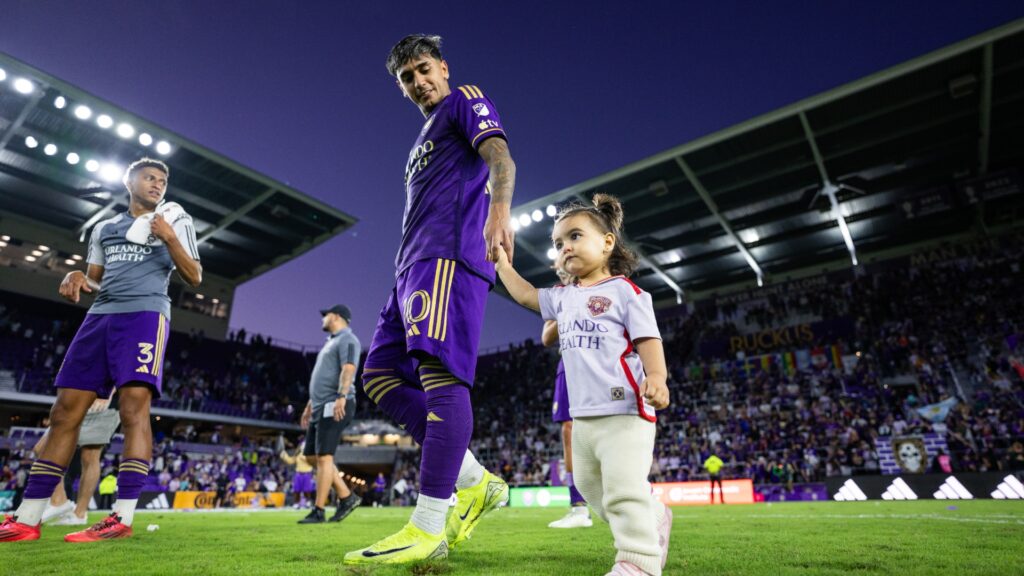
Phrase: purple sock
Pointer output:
(575, 498)
(449, 423)
(131, 477)
(43, 477)
(405, 404)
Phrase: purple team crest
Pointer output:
(598, 305)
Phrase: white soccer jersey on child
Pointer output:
(596, 329)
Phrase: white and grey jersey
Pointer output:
(135, 277)
(597, 326)
(341, 348)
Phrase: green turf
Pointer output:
(923, 537)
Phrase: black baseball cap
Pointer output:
(340, 310)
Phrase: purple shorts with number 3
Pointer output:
(111, 350)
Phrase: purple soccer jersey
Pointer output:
(446, 184)
(560, 404)
(111, 350)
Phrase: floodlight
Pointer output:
(24, 85)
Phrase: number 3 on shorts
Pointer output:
(145, 353)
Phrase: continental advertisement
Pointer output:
(238, 500)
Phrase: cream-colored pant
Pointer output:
(611, 459)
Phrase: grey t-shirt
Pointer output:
(341, 348)
(135, 277)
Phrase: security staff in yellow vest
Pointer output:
(108, 486)
(714, 467)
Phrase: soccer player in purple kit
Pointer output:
(120, 344)
(459, 180)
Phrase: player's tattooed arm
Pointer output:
(498, 232)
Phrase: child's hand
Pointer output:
(655, 391)
(502, 261)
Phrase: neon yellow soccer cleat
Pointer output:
(490, 494)
(409, 544)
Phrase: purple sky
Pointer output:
(301, 94)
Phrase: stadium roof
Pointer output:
(62, 153)
(905, 152)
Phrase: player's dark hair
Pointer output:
(145, 162)
(606, 214)
(412, 47)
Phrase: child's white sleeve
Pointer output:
(639, 316)
(547, 298)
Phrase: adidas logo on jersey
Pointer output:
(849, 492)
(899, 490)
(158, 503)
(1009, 489)
(952, 489)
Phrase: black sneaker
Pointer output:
(345, 507)
(316, 516)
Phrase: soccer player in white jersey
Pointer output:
(616, 375)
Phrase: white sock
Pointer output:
(126, 510)
(430, 514)
(31, 511)
(471, 472)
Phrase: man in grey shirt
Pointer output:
(330, 410)
(120, 345)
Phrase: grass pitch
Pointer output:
(922, 537)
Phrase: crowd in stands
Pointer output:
(922, 331)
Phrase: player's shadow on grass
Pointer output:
(427, 568)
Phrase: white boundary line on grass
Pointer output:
(976, 519)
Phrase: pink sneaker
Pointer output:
(664, 531)
(626, 569)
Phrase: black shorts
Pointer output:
(324, 433)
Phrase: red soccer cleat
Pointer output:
(11, 530)
(107, 529)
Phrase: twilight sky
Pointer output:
(298, 91)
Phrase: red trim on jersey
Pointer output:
(632, 381)
(636, 288)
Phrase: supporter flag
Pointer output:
(818, 357)
(766, 363)
(937, 412)
(837, 357)
(789, 363)
(803, 359)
